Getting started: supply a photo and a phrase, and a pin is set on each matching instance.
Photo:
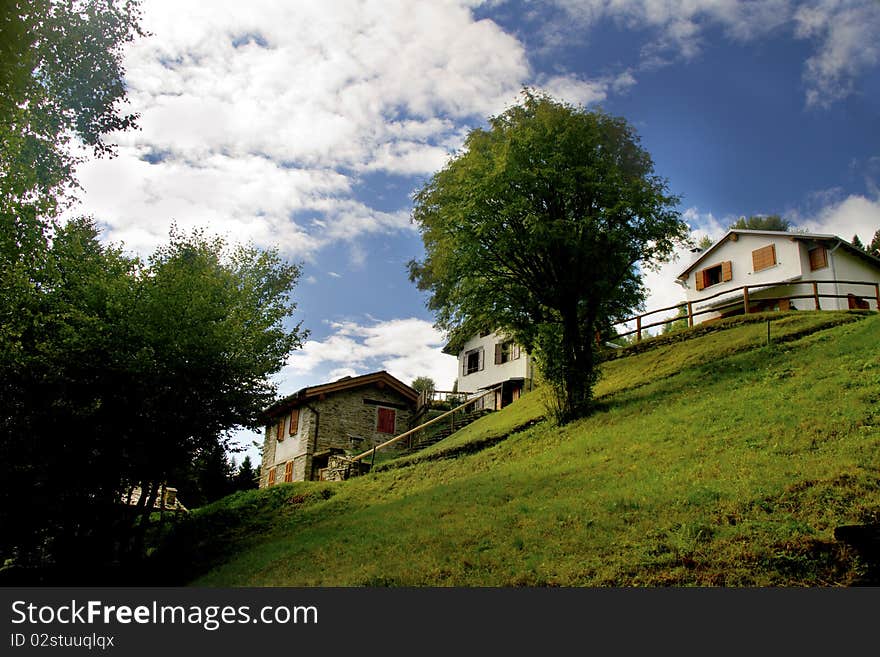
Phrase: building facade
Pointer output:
(305, 429)
(780, 264)
(489, 360)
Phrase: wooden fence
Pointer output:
(412, 432)
(746, 302)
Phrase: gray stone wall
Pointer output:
(268, 455)
(344, 420)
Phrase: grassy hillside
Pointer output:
(715, 459)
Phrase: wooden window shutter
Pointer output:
(288, 471)
(818, 258)
(764, 257)
(294, 422)
(498, 354)
(726, 271)
(482, 358)
(271, 479)
(385, 420)
(700, 279)
(279, 433)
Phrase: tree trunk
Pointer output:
(577, 366)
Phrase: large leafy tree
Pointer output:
(61, 83)
(126, 373)
(539, 227)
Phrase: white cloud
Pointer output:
(257, 118)
(847, 32)
(844, 31)
(406, 348)
(855, 215)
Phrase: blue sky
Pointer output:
(307, 126)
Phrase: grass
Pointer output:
(714, 459)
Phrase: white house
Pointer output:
(778, 265)
(489, 360)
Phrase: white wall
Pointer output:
(847, 267)
(739, 253)
(296, 445)
(491, 373)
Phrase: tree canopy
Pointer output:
(423, 383)
(762, 222)
(539, 227)
(118, 373)
(62, 80)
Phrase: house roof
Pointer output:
(812, 237)
(379, 379)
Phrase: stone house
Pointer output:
(777, 265)
(490, 359)
(305, 429)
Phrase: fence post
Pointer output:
(639, 328)
(877, 293)
(690, 315)
(746, 299)
(816, 295)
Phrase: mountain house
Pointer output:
(824, 271)
(307, 428)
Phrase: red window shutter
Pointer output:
(385, 420)
(271, 480)
(498, 354)
(288, 471)
(294, 422)
(726, 271)
(701, 281)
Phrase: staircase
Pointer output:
(435, 434)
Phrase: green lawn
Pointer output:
(715, 459)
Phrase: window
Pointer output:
(764, 258)
(818, 258)
(715, 274)
(473, 361)
(385, 418)
(271, 479)
(506, 351)
(294, 422)
(288, 471)
(279, 430)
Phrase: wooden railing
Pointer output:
(430, 397)
(745, 301)
(407, 434)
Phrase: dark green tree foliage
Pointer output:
(539, 227)
(62, 80)
(705, 243)
(118, 373)
(247, 476)
(423, 383)
(874, 246)
(856, 242)
(762, 222)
